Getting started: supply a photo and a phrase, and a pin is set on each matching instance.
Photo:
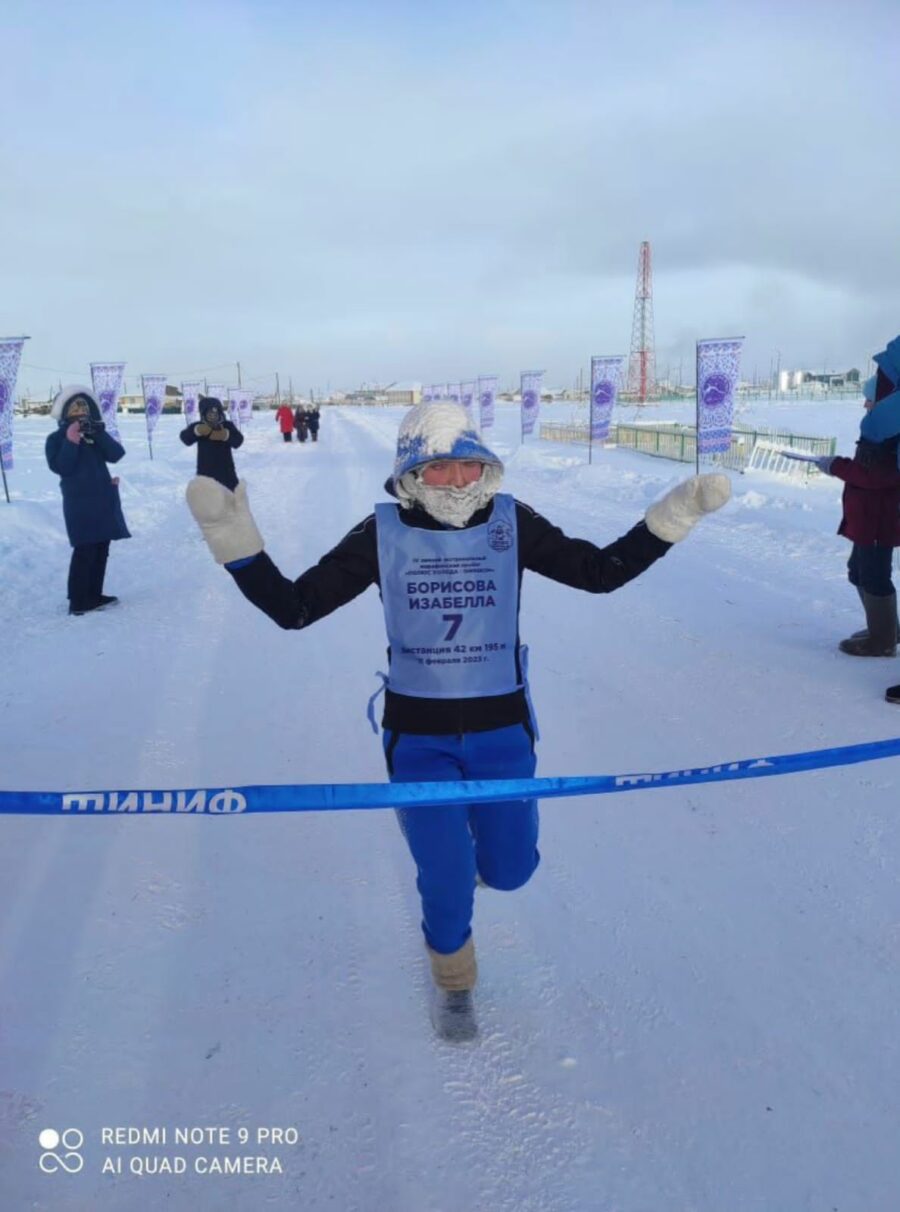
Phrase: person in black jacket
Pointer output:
(216, 438)
(448, 559)
(79, 451)
(300, 423)
(312, 420)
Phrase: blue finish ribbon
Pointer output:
(331, 797)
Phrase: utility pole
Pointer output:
(291, 390)
(239, 373)
(277, 390)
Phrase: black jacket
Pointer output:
(352, 566)
(214, 457)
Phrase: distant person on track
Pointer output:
(79, 451)
(215, 439)
(447, 556)
(285, 418)
(300, 423)
(312, 420)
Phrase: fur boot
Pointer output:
(880, 638)
(863, 633)
(455, 972)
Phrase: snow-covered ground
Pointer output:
(694, 1004)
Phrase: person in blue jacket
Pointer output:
(448, 555)
(882, 423)
(79, 451)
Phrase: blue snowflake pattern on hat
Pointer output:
(441, 430)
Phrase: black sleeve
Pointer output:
(188, 436)
(340, 576)
(545, 549)
(235, 437)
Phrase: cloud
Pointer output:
(351, 190)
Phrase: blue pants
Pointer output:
(451, 843)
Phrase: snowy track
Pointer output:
(692, 1006)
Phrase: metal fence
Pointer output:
(679, 442)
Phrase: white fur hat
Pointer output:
(62, 398)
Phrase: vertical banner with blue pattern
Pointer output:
(427, 394)
(190, 395)
(106, 379)
(606, 376)
(467, 396)
(218, 391)
(453, 392)
(10, 355)
(243, 398)
(531, 381)
(153, 389)
(487, 395)
(234, 395)
(718, 369)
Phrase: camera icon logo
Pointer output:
(71, 1140)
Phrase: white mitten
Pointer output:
(225, 519)
(672, 518)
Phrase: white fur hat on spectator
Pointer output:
(66, 395)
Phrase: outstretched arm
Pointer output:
(232, 536)
(583, 565)
(875, 477)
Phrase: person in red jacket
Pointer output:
(285, 419)
(871, 520)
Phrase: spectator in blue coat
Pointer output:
(881, 423)
(79, 451)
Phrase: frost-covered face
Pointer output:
(442, 465)
(213, 417)
(451, 473)
(76, 409)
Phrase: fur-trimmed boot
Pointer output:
(880, 638)
(452, 1011)
(863, 634)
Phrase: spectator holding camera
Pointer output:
(78, 452)
(215, 439)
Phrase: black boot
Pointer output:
(880, 639)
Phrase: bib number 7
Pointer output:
(455, 621)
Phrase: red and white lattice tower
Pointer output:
(642, 362)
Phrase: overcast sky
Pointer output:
(410, 189)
